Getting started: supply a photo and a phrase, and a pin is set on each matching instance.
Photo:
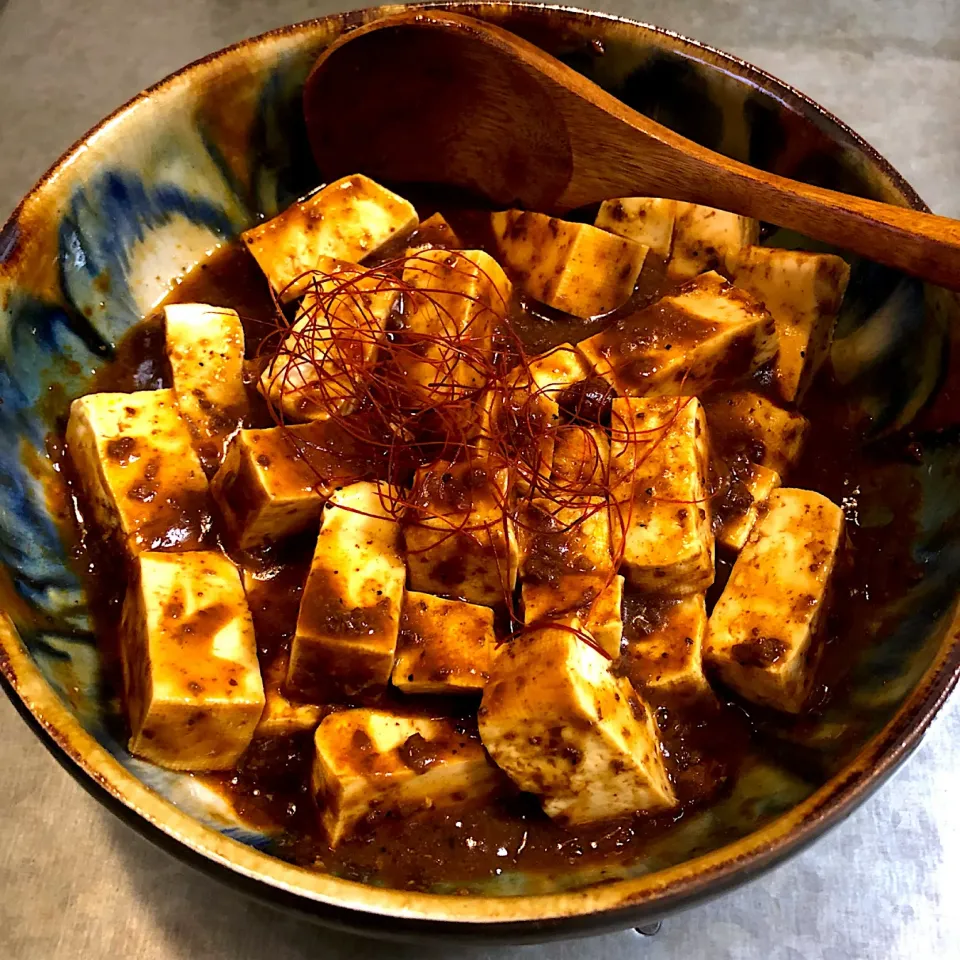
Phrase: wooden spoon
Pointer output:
(434, 97)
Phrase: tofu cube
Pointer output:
(583, 602)
(706, 332)
(659, 455)
(435, 231)
(747, 425)
(664, 649)
(135, 460)
(324, 364)
(529, 412)
(559, 541)
(349, 618)
(205, 348)
(274, 482)
(761, 638)
(573, 267)
(350, 219)
(190, 674)
(281, 716)
(803, 292)
(518, 425)
(371, 763)
(554, 371)
(460, 538)
(581, 460)
(734, 516)
(645, 220)
(561, 725)
(567, 569)
(708, 239)
(445, 646)
(453, 302)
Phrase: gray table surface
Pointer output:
(76, 883)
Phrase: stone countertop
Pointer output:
(77, 884)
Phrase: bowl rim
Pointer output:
(379, 911)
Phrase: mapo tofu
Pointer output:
(477, 470)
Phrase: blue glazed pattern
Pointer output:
(98, 267)
(43, 343)
(182, 173)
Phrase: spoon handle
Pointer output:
(662, 163)
(921, 244)
(632, 154)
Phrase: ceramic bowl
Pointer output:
(190, 163)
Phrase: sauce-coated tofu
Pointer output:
(658, 458)
(435, 231)
(552, 372)
(705, 238)
(761, 638)
(460, 538)
(283, 717)
(584, 602)
(457, 298)
(570, 266)
(706, 332)
(141, 475)
(581, 460)
(324, 364)
(561, 725)
(445, 646)
(531, 412)
(350, 613)
(350, 219)
(273, 482)
(743, 423)
(518, 424)
(665, 647)
(190, 673)
(803, 292)
(734, 520)
(205, 348)
(370, 763)
(645, 220)
(557, 541)
(692, 238)
(523, 423)
(567, 569)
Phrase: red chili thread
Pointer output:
(478, 409)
